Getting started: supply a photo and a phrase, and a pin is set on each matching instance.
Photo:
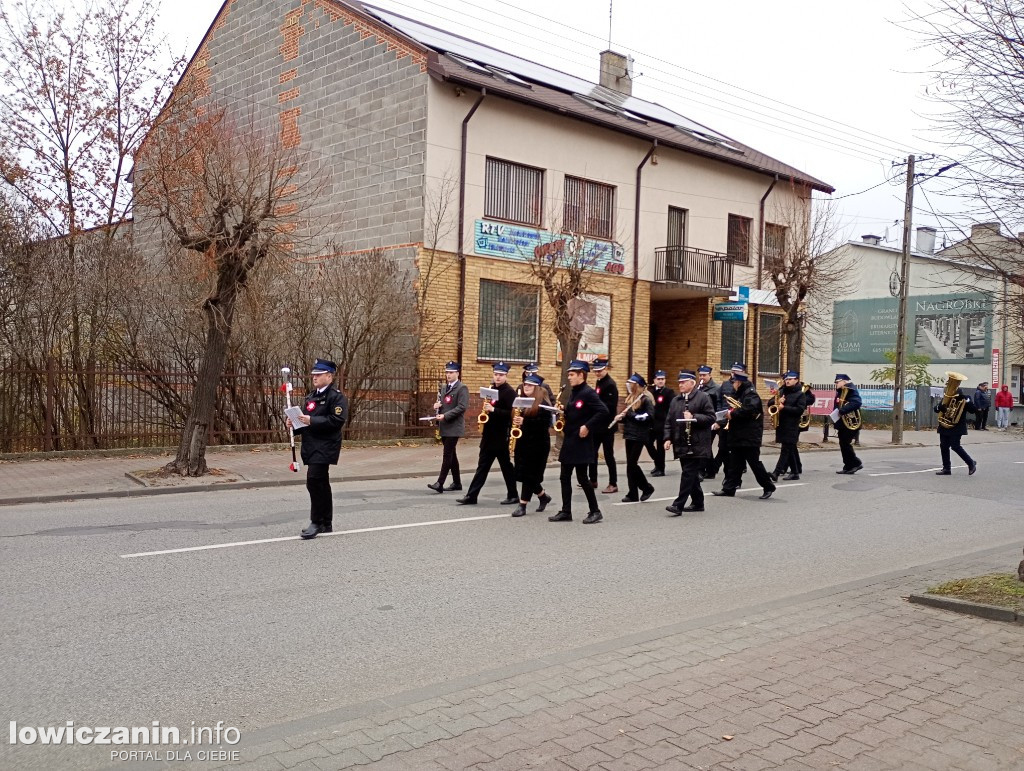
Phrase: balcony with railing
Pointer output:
(685, 267)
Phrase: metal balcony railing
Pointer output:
(692, 267)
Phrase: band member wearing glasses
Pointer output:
(451, 424)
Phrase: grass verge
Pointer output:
(1003, 590)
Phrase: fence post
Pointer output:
(51, 387)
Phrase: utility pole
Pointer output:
(901, 327)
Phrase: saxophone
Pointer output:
(851, 419)
(952, 406)
(483, 417)
(778, 402)
(516, 432)
(560, 418)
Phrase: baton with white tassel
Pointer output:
(296, 464)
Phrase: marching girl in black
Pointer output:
(533, 447)
(637, 429)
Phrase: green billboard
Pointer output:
(949, 328)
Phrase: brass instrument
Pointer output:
(483, 417)
(805, 416)
(951, 409)
(851, 419)
(778, 402)
(516, 432)
(631, 405)
(560, 419)
(734, 404)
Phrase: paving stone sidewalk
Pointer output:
(852, 677)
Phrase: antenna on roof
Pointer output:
(610, 3)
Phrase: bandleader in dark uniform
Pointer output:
(662, 396)
(534, 446)
(324, 412)
(848, 402)
(746, 432)
(708, 386)
(608, 392)
(691, 446)
(451, 424)
(792, 401)
(494, 441)
(584, 412)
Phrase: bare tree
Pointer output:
(231, 195)
(803, 269)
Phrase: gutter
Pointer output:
(460, 250)
(760, 267)
(636, 254)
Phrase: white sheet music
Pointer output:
(523, 402)
(294, 414)
(490, 394)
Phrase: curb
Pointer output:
(991, 612)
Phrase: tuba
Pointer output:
(851, 419)
(951, 409)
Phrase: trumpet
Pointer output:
(734, 404)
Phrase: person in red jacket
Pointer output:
(1004, 401)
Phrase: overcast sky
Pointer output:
(835, 89)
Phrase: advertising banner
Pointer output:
(951, 328)
(517, 242)
(730, 312)
(871, 398)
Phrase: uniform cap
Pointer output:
(323, 366)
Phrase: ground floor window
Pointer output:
(509, 318)
(769, 347)
(733, 342)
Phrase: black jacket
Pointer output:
(454, 404)
(701, 436)
(746, 423)
(583, 407)
(321, 439)
(852, 403)
(960, 429)
(495, 433)
(533, 447)
(794, 401)
(714, 392)
(662, 399)
(638, 424)
(608, 391)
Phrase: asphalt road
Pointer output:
(258, 634)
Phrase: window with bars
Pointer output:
(734, 342)
(774, 240)
(769, 346)
(509, 316)
(738, 244)
(589, 208)
(513, 192)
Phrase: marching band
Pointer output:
(516, 425)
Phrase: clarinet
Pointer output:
(689, 426)
(437, 423)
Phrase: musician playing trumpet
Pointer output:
(533, 447)
(788, 405)
(637, 429)
(687, 432)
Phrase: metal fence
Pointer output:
(103, 406)
(921, 417)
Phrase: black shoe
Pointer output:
(312, 531)
(630, 499)
(673, 510)
(647, 494)
(453, 487)
(520, 510)
(711, 476)
(657, 473)
(773, 475)
(766, 495)
(543, 499)
(725, 493)
(972, 468)
(510, 500)
(856, 468)
(436, 487)
(562, 516)
(944, 473)
(466, 501)
(593, 518)
(693, 508)
(790, 477)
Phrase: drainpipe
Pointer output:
(460, 249)
(760, 267)
(636, 254)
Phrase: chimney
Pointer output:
(873, 240)
(617, 72)
(926, 240)
(978, 228)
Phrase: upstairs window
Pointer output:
(589, 208)
(513, 192)
(738, 244)
(774, 240)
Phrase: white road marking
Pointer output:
(297, 538)
(672, 498)
(917, 471)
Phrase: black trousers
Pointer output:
(607, 443)
(581, 476)
(739, 459)
(947, 443)
(449, 461)
(980, 419)
(635, 476)
(529, 489)
(483, 468)
(846, 436)
(789, 460)
(321, 502)
(689, 482)
(656, 449)
(721, 459)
